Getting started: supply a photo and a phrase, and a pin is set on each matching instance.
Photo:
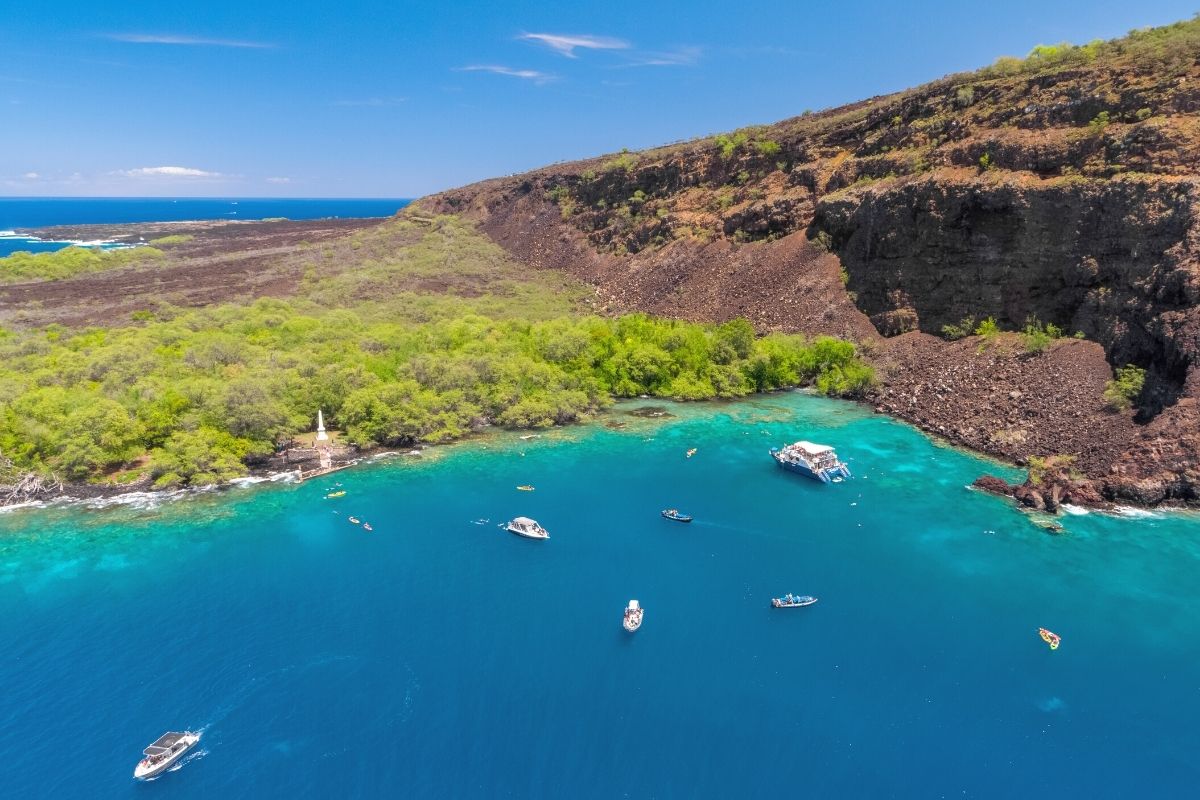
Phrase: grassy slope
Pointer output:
(417, 343)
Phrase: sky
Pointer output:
(400, 99)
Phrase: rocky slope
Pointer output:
(1060, 188)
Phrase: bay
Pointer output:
(436, 657)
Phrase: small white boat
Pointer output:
(790, 600)
(529, 528)
(165, 751)
(633, 616)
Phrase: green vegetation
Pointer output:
(729, 144)
(1144, 114)
(985, 162)
(1167, 47)
(988, 329)
(1037, 337)
(1121, 392)
(68, 262)
(767, 147)
(192, 396)
(625, 161)
(174, 238)
(960, 331)
(1099, 123)
(964, 97)
(1041, 468)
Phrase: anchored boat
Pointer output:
(165, 751)
(633, 616)
(529, 528)
(816, 461)
(674, 514)
(790, 600)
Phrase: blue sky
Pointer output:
(400, 99)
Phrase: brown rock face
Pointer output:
(1062, 191)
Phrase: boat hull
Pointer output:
(779, 603)
(526, 534)
(823, 476)
(146, 773)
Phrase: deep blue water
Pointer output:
(438, 658)
(38, 212)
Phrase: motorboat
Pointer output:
(525, 488)
(633, 616)
(674, 514)
(529, 528)
(816, 461)
(691, 452)
(166, 751)
(790, 600)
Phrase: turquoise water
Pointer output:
(440, 658)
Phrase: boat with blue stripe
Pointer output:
(816, 461)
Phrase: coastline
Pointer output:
(131, 494)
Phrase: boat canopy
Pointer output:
(813, 449)
(163, 744)
(524, 521)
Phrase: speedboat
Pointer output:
(790, 600)
(816, 461)
(673, 514)
(334, 495)
(525, 488)
(691, 452)
(165, 751)
(633, 616)
(529, 528)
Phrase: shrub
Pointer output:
(1038, 337)
(1144, 114)
(767, 147)
(1123, 390)
(985, 162)
(988, 329)
(964, 97)
(960, 331)
(728, 144)
(1099, 123)
(625, 161)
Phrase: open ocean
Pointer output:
(438, 658)
(40, 212)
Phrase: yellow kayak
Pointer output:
(332, 495)
(1052, 639)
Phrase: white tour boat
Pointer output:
(165, 751)
(633, 616)
(529, 528)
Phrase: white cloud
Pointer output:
(31, 176)
(191, 41)
(279, 180)
(677, 57)
(567, 43)
(373, 102)
(169, 172)
(525, 74)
